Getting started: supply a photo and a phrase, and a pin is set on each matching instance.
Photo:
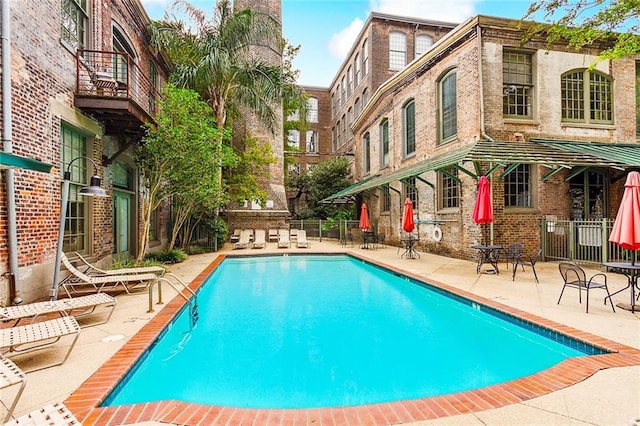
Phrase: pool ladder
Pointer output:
(178, 287)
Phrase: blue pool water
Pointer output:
(320, 331)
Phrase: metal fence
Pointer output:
(319, 229)
(583, 241)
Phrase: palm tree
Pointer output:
(212, 58)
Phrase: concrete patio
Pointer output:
(609, 397)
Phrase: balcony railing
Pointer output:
(104, 79)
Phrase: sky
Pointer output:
(326, 29)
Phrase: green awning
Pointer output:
(348, 191)
(12, 161)
(619, 155)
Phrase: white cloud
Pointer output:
(454, 11)
(341, 42)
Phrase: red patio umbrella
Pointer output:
(483, 209)
(626, 228)
(364, 218)
(407, 216)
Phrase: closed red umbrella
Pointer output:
(407, 216)
(626, 228)
(364, 218)
(483, 209)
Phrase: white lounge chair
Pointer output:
(260, 241)
(94, 270)
(11, 375)
(284, 240)
(244, 241)
(302, 241)
(49, 415)
(38, 335)
(273, 235)
(83, 305)
(101, 283)
(235, 237)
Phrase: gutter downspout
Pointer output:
(482, 126)
(7, 146)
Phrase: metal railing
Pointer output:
(115, 75)
(319, 229)
(583, 241)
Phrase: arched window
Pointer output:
(366, 153)
(397, 50)
(423, 43)
(587, 97)
(409, 127)
(312, 110)
(384, 143)
(448, 113)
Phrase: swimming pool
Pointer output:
(317, 343)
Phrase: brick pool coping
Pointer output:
(85, 401)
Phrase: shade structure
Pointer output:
(483, 209)
(626, 228)
(408, 225)
(364, 218)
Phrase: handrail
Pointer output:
(192, 301)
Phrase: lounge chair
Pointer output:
(251, 236)
(94, 270)
(49, 415)
(244, 240)
(302, 239)
(84, 305)
(260, 241)
(273, 235)
(235, 237)
(293, 234)
(100, 283)
(284, 240)
(26, 338)
(11, 375)
(574, 276)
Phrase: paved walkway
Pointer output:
(610, 397)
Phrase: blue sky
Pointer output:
(326, 29)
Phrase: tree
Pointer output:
(326, 179)
(179, 159)
(585, 22)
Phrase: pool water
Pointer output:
(321, 331)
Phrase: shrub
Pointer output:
(167, 256)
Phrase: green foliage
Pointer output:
(243, 179)
(585, 22)
(167, 256)
(131, 263)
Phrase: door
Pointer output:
(122, 225)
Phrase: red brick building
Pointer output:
(83, 81)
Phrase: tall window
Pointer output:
(350, 121)
(384, 143)
(334, 139)
(343, 92)
(366, 153)
(410, 191)
(386, 198)
(517, 187)
(397, 50)
(312, 110)
(75, 18)
(448, 114)
(449, 189)
(333, 105)
(365, 58)
(517, 84)
(312, 141)
(586, 97)
(365, 97)
(357, 108)
(344, 129)
(74, 145)
(349, 81)
(356, 70)
(293, 170)
(294, 138)
(409, 122)
(423, 43)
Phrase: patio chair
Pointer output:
(11, 375)
(235, 237)
(524, 260)
(244, 241)
(293, 234)
(273, 235)
(94, 270)
(85, 305)
(260, 241)
(381, 238)
(284, 240)
(49, 415)
(574, 276)
(99, 283)
(251, 234)
(301, 241)
(39, 335)
(513, 251)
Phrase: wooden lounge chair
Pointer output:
(83, 305)
(11, 375)
(94, 270)
(260, 240)
(244, 241)
(100, 283)
(302, 239)
(39, 335)
(284, 240)
(49, 415)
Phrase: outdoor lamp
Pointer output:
(93, 190)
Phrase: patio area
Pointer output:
(611, 396)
